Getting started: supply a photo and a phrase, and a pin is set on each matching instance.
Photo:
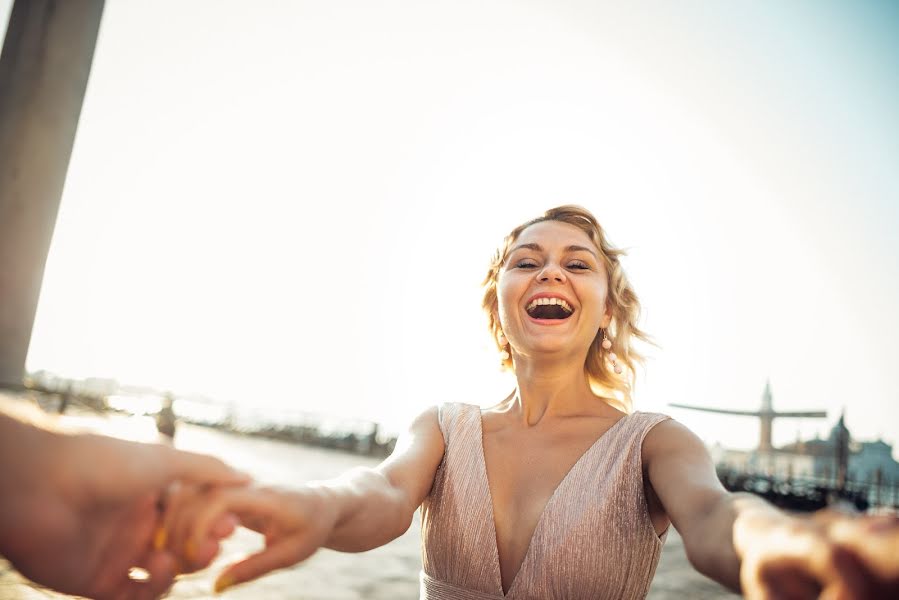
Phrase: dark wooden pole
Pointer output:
(44, 68)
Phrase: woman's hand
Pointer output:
(829, 556)
(295, 524)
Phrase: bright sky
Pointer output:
(293, 203)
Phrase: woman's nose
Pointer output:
(551, 271)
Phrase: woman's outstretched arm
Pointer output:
(748, 545)
(376, 505)
(360, 510)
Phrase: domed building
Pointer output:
(863, 460)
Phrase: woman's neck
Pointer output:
(554, 390)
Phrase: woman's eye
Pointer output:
(578, 265)
(525, 264)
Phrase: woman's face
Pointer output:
(552, 291)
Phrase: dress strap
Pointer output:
(449, 417)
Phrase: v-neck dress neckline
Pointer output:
(491, 517)
(594, 539)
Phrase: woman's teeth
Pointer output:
(549, 302)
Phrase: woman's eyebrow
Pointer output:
(581, 249)
(535, 247)
(539, 248)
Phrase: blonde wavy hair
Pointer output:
(622, 301)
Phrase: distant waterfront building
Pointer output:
(865, 458)
(817, 458)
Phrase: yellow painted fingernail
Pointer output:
(160, 538)
(190, 550)
(224, 581)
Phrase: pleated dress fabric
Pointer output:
(594, 539)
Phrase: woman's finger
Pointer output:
(182, 504)
(242, 502)
(171, 502)
(224, 526)
(284, 553)
(182, 543)
(205, 550)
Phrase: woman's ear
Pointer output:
(606, 318)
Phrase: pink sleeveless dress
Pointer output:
(594, 539)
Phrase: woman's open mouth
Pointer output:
(549, 309)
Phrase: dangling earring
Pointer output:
(504, 354)
(613, 358)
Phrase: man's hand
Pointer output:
(78, 512)
(828, 556)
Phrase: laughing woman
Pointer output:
(560, 490)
